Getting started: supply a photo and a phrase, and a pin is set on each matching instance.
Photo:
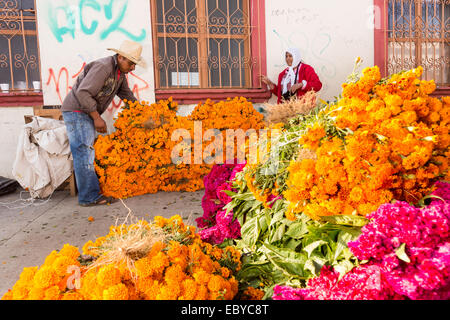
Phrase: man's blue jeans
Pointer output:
(81, 132)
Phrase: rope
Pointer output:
(25, 203)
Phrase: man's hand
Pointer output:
(99, 123)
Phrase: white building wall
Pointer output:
(330, 34)
(11, 124)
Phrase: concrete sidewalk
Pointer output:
(28, 235)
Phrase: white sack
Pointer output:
(43, 160)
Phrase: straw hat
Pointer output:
(132, 51)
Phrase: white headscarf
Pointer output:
(290, 75)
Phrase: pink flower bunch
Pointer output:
(225, 228)
(219, 225)
(442, 191)
(363, 283)
(211, 202)
(408, 248)
(394, 224)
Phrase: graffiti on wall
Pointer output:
(76, 32)
(84, 17)
(62, 79)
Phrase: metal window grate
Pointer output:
(204, 44)
(19, 58)
(419, 34)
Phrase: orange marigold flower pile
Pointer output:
(394, 144)
(136, 160)
(50, 280)
(180, 267)
(237, 113)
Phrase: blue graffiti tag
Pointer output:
(115, 26)
(94, 5)
(58, 31)
(114, 12)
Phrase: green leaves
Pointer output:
(250, 232)
(281, 250)
(343, 268)
(354, 221)
(315, 264)
(277, 233)
(341, 244)
(313, 246)
(288, 261)
(297, 230)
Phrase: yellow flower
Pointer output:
(51, 258)
(70, 251)
(45, 278)
(87, 248)
(36, 294)
(52, 293)
(19, 292)
(71, 296)
(28, 274)
(253, 294)
(108, 276)
(61, 265)
(117, 292)
(189, 289)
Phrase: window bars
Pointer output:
(419, 35)
(19, 58)
(205, 44)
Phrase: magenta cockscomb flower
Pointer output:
(363, 283)
(408, 254)
(442, 191)
(211, 203)
(216, 225)
(225, 228)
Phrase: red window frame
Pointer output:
(21, 99)
(258, 42)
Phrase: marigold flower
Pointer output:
(134, 151)
(70, 251)
(46, 277)
(52, 293)
(116, 292)
(108, 276)
(36, 294)
(61, 265)
(20, 292)
(28, 274)
(51, 258)
(72, 296)
(189, 289)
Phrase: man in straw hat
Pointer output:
(92, 93)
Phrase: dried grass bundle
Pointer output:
(289, 109)
(132, 242)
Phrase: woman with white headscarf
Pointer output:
(296, 80)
